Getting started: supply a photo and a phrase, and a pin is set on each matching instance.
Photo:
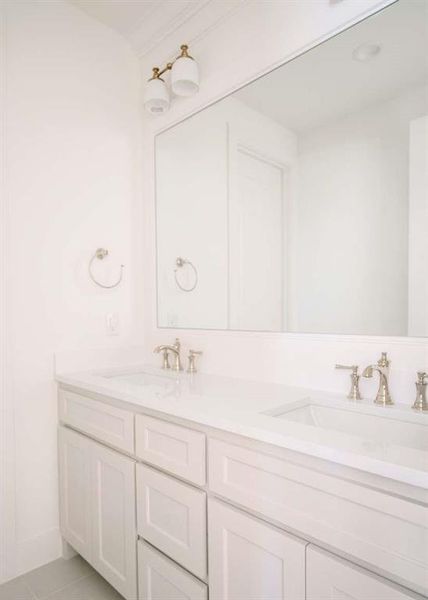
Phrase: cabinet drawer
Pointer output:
(330, 577)
(370, 525)
(172, 516)
(162, 579)
(101, 421)
(176, 449)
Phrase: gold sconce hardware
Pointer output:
(157, 73)
(184, 81)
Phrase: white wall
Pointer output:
(72, 125)
(230, 55)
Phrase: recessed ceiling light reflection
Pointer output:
(366, 52)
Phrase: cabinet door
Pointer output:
(331, 578)
(172, 517)
(74, 490)
(251, 560)
(161, 579)
(113, 514)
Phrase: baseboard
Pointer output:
(33, 553)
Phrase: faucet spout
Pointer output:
(164, 347)
(175, 349)
(383, 397)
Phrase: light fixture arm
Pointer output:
(157, 73)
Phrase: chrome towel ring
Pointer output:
(180, 263)
(101, 254)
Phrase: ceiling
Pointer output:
(327, 83)
(145, 23)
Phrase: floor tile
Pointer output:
(16, 589)
(56, 575)
(90, 588)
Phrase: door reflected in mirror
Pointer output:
(300, 202)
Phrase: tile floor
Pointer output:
(61, 579)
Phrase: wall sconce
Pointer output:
(184, 82)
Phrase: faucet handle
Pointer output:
(384, 360)
(421, 402)
(353, 368)
(354, 393)
(421, 377)
(193, 354)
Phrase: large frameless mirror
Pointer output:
(300, 202)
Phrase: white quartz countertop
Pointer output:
(240, 406)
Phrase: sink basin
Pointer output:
(374, 427)
(155, 382)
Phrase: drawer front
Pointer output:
(101, 421)
(162, 579)
(330, 577)
(175, 449)
(172, 516)
(382, 530)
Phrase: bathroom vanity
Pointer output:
(183, 486)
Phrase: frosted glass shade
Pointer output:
(185, 76)
(156, 97)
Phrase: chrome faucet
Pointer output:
(175, 349)
(383, 397)
(421, 402)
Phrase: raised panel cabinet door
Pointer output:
(251, 560)
(74, 490)
(172, 516)
(161, 579)
(113, 513)
(331, 578)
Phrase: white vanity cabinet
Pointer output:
(251, 560)
(329, 577)
(183, 514)
(97, 508)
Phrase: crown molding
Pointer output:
(189, 25)
(162, 22)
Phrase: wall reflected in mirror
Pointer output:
(300, 202)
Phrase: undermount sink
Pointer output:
(143, 379)
(388, 429)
